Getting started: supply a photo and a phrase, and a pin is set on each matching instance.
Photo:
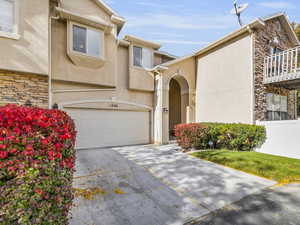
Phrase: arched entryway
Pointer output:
(178, 102)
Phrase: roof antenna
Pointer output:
(238, 9)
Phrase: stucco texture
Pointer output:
(30, 52)
(224, 83)
(89, 92)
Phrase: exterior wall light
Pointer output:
(55, 106)
(28, 103)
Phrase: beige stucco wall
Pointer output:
(185, 68)
(139, 78)
(69, 92)
(30, 52)
(184, 72)
(225, 83)
(86, 8)
(64, 69)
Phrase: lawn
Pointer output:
(281, 169)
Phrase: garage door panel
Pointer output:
(103, 128)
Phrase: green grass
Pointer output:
(281, 169)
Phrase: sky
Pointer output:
(185, 26)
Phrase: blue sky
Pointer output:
(184, 26)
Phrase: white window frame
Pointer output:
(70, 41)
(15, 34)
(281, 108)
(142, 47)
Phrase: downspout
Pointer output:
(50, 101)
(49, 61)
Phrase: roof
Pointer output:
(247, 28)
(286, 24)
(141, 41)
(115, 17)
(232, 35)
(260, 22)
(165, 54)
(105, 7)
(80, 19)
(169, 63)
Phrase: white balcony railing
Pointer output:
(284, 66)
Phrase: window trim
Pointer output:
(134, 46)
(15, 34)
(280, 112)
(143, 47)
(70, 41)
(83, 59)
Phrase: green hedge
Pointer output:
(240, 137)
(37, 159)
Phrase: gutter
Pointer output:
(158, 68)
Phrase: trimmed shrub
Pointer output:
(240, 137)
(36, 165)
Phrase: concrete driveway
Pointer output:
(272, 206)
(153, 185)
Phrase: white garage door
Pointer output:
(103, 128)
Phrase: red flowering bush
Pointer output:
(36, 165)
(242, 137)
(186, 134)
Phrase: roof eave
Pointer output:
(242, 30)
(65, 14)
(141, 41)
(115, 17)
(292, 32)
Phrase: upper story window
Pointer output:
(87, 41)
(8, 16)
(275, 50)
(142, 57)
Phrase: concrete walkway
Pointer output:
(211, 185)
(153, 185)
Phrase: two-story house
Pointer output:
(126, 91)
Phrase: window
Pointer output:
(275, 50)
(277, 107)
(7, 16)
(87, 41)
(137, 56)
(142, 57)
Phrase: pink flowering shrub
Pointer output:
(36, 165)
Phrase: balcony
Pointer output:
(283, 69)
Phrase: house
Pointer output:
(126, 91)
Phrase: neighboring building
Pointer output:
(123, 92)
(24, 61)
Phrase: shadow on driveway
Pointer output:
(129, 194)
(153, 185)
(277, 206)
(211, 185)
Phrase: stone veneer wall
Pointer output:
(262, 38)
(17, 88)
